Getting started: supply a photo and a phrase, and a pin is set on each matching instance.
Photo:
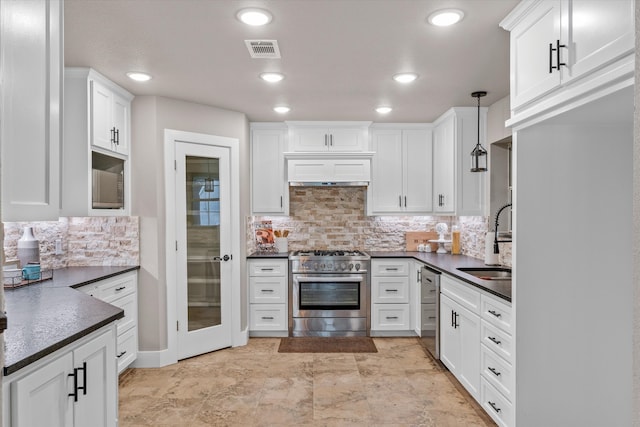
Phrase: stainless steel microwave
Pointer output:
(108, 190)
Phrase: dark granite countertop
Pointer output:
(44, 317)
(447, 263)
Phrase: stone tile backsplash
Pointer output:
(86, 241)
(335, 218)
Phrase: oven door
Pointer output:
(329, 295)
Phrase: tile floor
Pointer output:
(254, 385)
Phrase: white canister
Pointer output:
(489, 257)
(28, 248)
(282, 244)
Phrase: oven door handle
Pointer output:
(330, 279)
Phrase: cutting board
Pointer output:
(414, 238)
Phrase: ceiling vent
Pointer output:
(266, 49)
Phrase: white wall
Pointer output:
(150, 116)
(636, 234)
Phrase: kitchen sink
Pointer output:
(488, 273)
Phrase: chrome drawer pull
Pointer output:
(267, 317)
(392, 317)
(266, 269)
(494, 340)
(391, 268)
(391, 290)
(493, 371)
(121, 288)
(432, 317)
(498, 315)
(493, 405)
(267, 290)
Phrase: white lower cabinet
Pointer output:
(121, 291)
(460, 343)
(498, 376)
(476, 344)
(76, 386)
(268, 297)
(390, 297)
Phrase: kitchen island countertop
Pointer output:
(46, 316)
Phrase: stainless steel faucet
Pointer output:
(496, 250)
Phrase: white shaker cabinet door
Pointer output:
(30, 110)
(594, 42)
(386, 184)
(101, 124)
(444, 152)
(531, 58)
(40, 398)
(418, 168)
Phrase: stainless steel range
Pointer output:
(329, 293)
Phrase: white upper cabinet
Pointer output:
(31, 109)
(444, 151)
(269, 188)
(328, 136)
(402, 173)
(456, 189)
(559, 43)
(96, 143)
(109, 113)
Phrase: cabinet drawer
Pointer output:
(268, 317)
(390, 290)
(127, 348)
(497, 340)
(116, 287)
(428, 317)
(463, 294)
(390, 317)
(268, 268)
(499, 408)
(270, 290)
(391, 267)
(498, 372)
(497, 313)
(130, 307)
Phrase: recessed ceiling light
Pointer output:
(405, 77)
(281, 109)
(139, 76)
(272, 77)
(254, 17)
(445, 17)
(384, 110)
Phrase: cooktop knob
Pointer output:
(350, 266)
(343, 266)
(358, 267)
(315, 266)
(329, 266)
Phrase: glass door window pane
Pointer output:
(203, 242)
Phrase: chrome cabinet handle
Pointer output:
(392, 317)
(121, 288)
(498, 315)
(391, 290)
(267, 317)
(268, 290)
(493, 371)
(391, 268)
(266, 269)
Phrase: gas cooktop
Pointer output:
(329, 253)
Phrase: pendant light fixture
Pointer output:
(479, 155)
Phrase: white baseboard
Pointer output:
(153, 359)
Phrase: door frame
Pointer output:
(170, 137)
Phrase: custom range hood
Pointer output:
(328, 169)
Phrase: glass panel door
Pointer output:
(203, 241)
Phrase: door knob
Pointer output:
(222, 258)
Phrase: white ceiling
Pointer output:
(338, 56)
